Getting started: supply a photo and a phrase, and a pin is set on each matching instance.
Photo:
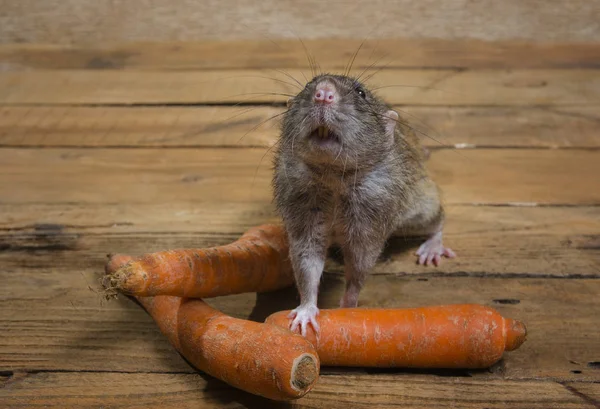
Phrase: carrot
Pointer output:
(263, 359)
(256, 262)
(450, 336)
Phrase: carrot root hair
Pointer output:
(111, 279)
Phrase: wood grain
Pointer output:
(97, 390)
(417, 87)
(590, 392)
(230, 175)
(52, 320)
(490, 241)
(209, 126)
(90, 22)
(285, 53)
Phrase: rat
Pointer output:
(349, 172)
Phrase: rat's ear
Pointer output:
(289, 102)
(390, 125)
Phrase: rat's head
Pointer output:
(336, 120)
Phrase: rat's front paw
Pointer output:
(302, 316)
(433, 250)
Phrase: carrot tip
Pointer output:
(516, 333)
(115, 262)
(114, 274)
(305, 372)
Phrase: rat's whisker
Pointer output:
(223, 122)
(370, 66)
(370, 57)
(344, 168)
(242, 112)
(291, 84)
(375, 28)
(242, 104)
(295, 133)
(340, 151)
(307, 53)
(260, 163)
(310, 58)
(262, 123)
(290, 76)
(356, 168)
(432, 129)
(305, 79)
(349, 65)
(259, 94)
(415, 86)
(377, 71)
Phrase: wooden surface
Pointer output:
(83, 173)
(446, 87)
(100, 21)
(290, 53)
(335, 391)
(223, 126)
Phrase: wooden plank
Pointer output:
(52, 320)
(590, 392)
(478, 176)
(97, 390)
(86, 21)
(416, 87)
(571, 126)
(286, 53)
(490, 241)
(121, 218)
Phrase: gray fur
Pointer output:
(356, 194)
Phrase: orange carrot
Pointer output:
(450, 336)
(256, 262)
(263, 359)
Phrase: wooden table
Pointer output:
(136, 148)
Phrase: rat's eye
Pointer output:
(361, 92)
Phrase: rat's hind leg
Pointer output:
(429, 221)
(433, 250)
(359, 257)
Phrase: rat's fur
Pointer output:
(356, 192)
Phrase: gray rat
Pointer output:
(348, 172)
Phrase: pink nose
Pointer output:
(325, 93)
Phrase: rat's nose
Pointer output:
(325, 93)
